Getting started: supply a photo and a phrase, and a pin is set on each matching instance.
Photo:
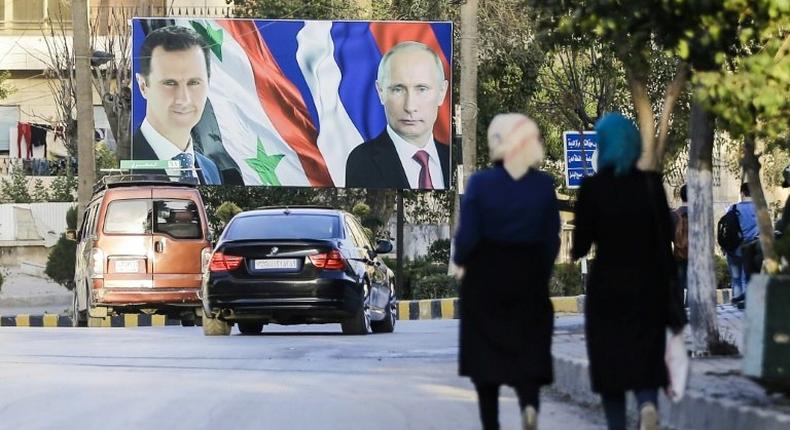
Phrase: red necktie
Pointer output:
(425, 182)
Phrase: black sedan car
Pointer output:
(297, 266)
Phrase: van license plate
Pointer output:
(276, 263)
(126, 266)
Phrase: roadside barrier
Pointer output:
(407, 310)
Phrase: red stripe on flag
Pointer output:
(389, 34)
(281, 101)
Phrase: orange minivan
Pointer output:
(141, 246)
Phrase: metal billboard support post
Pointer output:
(399, 243)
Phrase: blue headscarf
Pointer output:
(619, 143)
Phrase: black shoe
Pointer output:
(741, 305)
(738, 299)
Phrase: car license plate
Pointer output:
(276, 264)
(126, 266)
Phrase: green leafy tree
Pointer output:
(5, 89)
(750, 96)
(64, 188)
(62, 257)
(40, 192)
(15, 188)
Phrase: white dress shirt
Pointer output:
(412, 168)
(166, 150)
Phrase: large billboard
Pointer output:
(294, 103)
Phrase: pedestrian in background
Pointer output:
(680, 241)
(780, 228)
(631, 298)
(740, 268)
(506, 244)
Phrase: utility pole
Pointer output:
(86, 160)
(468, 106)
(469, 87)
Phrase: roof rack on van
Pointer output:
(121, 179)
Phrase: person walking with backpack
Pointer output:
(680, 241)
(738, 228)
(632, 298)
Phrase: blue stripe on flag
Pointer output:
(280, 37)
(358, 56)
(138, 35)
(444, 34)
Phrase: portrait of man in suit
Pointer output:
(174, 80)
(411, 86)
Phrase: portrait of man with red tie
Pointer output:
(411, 86)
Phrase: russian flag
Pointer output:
(303, 91)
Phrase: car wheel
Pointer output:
(250, 328)
(386, 325)
(215, 326)
(78, 318)
(360, 322)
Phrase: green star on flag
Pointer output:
(212, 37)
(265, 164)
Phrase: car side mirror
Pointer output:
(71, 235)
(383, 247)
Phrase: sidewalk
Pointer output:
(717, 396)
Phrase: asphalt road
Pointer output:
(296, 377)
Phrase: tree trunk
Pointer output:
(644, 117)
(701, 275)
(120, 125)
(751, 165)
(382, 204)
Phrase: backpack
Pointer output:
(681, 238)
(729, 232)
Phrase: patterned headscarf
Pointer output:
(513, 139)
(619, 143)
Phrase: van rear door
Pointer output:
(125, 240)
(178, 239)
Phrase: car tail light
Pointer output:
(332, 260)
(221, 262)
(205, 259)
(97, 263)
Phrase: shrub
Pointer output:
(435, 286)
(40, 192)
(71, 218)
(60, 263)
(64, 187)
(226, 211)
(439, 252)
(14, 189)
(566, 280)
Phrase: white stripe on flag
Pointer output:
(241, 117)
(338, 134)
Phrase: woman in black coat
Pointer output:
(631, 299)
(507, 240)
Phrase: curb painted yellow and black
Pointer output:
(432, 309)
(52, 320)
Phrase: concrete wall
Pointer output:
(16, 253)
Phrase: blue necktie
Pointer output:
(187, 162)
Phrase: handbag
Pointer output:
(677, 361)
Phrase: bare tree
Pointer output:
(61, 76)
(112, 70)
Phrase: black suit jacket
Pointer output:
(375, 164)
(142, 150)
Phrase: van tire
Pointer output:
(215, 326)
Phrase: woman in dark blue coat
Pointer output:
(631, 296)
(506, 243)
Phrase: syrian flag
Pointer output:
(293, 98)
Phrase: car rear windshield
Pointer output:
(281, 226)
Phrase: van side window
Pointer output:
(93, 219)
(83, 233)
(177, 218)
(128, 217)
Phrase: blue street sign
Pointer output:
(574, 166)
